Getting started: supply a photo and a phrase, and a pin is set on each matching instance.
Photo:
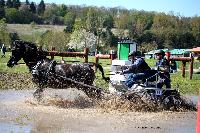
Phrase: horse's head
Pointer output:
(16, 54)
(20, 50)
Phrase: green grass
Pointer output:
(185, 85)
(195, 65)
(151, 62)
(16, 69)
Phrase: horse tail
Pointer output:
(98, 66)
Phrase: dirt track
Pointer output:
(19, 112)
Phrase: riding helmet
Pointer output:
(160, 52)
(133, 53)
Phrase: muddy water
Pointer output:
(11, 127)
(20, 112)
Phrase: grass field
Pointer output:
(185, 85)
(24, 29)
(27, 32)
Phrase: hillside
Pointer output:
(27, 29)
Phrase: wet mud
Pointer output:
(16, 81)
(70, 110)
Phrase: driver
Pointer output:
(139, 70)
(163, 66)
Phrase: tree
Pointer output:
(12, 15)
(108, 21)
(32, 7)
(146, 47)
(27, 2)
(24, 7)
(62, 10)
(2, 12)
(4, 34)
(82, 39)
(56, 20)
(59, 40)
(159, 39)
(49, 14)
(16, 4)
(78, 24)
(3, 25)
(162, 21)
(186, 40)
(9, 4)
(138, 23)
(121, 20)
(147, 37)
(41, 8)
(110, 40)
(2, 3)
(69, 21)
(91, 20)
(25, 16)
(195, 28)
(94, 23)
(171, 38)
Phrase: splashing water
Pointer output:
(78, 99)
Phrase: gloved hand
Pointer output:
(121, 73)
(158, 68)
(154, 68)
(117, 72)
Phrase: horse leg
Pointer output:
(38, 93)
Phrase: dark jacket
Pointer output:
(139, 66)
(163, 64)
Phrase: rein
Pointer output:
(25, 63)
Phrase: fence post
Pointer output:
(191, 65)
(96, 61)
(112, 56)
(86, 52)
(52, 49)
(183, 68)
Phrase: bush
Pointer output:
(59, 40)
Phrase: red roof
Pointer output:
(197, 49)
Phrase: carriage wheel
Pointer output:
(187, 104)
(131, 96)
(150, 100)
(142, 100)
(172, 102)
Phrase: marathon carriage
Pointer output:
(145, 90)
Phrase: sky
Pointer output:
(188, 8)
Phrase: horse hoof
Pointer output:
(37, 95)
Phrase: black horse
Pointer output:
(49, 73)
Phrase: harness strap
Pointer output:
(51, 67)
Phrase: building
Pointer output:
(173, 52)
